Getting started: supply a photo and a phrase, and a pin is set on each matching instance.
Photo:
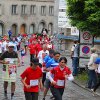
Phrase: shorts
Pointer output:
(47, 84)
(31, 95)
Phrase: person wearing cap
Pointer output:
(32, 80)
(91, 69)
(10, 61)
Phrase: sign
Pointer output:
(85, 50)
(10, 70)
(62, 19)
(86, 37)
(74, 31)
(62, 4)
(83, 62)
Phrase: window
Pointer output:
(23, 10)
(43, 10)
(33, 9)
(0, 9)
(14, 9)
(51, 10)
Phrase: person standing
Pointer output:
(91, 69)
(32, 80)
(97, 62)
(60, 74)
(10, 61)
(75, 57)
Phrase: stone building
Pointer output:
(27, 16)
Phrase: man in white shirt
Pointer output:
(75, 57)
(41, 56)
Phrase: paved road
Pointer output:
(72, 91)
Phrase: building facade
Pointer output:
(27, 16)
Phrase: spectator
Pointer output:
(75, 57)
(97, 62)
(91, 69)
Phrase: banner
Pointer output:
(10, 70)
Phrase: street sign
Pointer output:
(85, 51)
(86, 37)
(83, 62)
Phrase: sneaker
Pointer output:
(12, 98)
(52, 97)
(43, 99)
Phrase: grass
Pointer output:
(82, 77)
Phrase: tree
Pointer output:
(85, 15)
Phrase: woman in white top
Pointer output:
(91, 69)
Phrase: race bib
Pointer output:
(60, 82)
(33, 82)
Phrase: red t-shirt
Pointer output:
(32, 39)
(31, 75)
(59, 76)
(32, 48)
(38, 48)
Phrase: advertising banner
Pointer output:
(10, 70)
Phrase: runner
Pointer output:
(32, 80)
(50, 65)
(41, 56)
(32, 49)
(60, 74)
(11, 61)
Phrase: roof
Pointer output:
(61, 36)
(72, 37)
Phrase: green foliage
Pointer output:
(85, 15)
(82, 78)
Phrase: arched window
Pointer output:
(14, 29)
(1, 29)
(32, 28)
(50, 28)
(41, 26)
(23, 29)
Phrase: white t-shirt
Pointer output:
(41, 55)
(0, 47)
(4, 45)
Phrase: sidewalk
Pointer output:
(83, 85)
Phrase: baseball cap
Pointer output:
(35, 61)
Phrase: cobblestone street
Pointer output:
(72, 91)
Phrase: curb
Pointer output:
(82, 86)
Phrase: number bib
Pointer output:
(33, 82)
(60, 82)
